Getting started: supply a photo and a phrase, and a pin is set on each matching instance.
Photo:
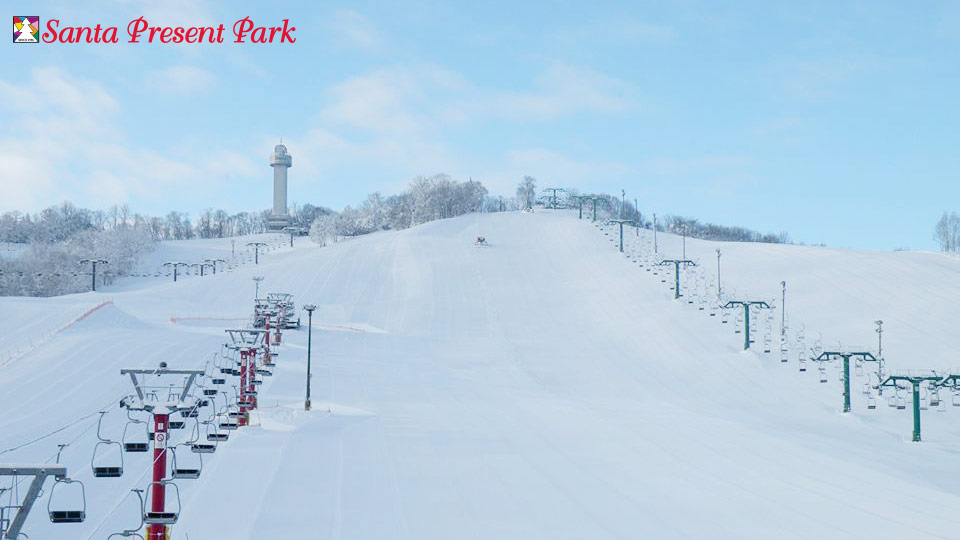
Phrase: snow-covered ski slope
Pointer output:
(545, 386)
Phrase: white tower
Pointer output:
(280, 161)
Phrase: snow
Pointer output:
(544, 387)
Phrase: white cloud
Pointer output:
(564, 89)
(354, 30)
(70, 145)
(181, 79)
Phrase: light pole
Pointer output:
(623, 201)
(684, 241)
(655, 233)
(93, 269)
(718, 274)
(256, 250)
(879, 332)
(309, 308)
(258, 279)
(783, 308)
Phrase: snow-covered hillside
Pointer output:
(546, 386)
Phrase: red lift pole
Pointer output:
(157, 517)
(159, 495)
(244, 417)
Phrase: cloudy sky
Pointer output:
(834, 121)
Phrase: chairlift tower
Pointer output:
(93, 270)
(863, 356)
(553, 198)
(747, 304)
(620, 222)
(175, 265)
(915, 382)
(213, 263)
(39, 474)
(200, 266)
(248, 342)
(256, 250)
(294, 231)
(676, 272)
(580, 199)
(594, 198)
(157, 517)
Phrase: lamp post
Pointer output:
(783, 308)
(258, 279)
(309, 308)
(655, 233)
(93, 269)
(718, 274)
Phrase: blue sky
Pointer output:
(834, 121)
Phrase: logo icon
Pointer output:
(26, 29)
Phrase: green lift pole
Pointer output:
(554, 197)
(826, 356)
(676, 272)
(915, 381)
(580, 199)
(621, 223)
(747, 304)
(594, 199)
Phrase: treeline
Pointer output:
(709, 231)
(947, 232)
(58, 223)
(426, 199)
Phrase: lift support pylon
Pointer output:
(747, 304)
(915, 381)
(863, 356)
(156, 516)
(676, 272)
(40, 474)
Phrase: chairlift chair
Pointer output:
(185, 471)
(166, 517)
(823, 375)
(58, 515)
(955, 399)
(114, 470)
(215, 435)
(871, 402)
(130, 445)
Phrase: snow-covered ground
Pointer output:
(545, 386)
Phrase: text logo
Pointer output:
(26, 29)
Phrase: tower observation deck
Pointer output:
(280, 160)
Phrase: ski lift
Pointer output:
(100, 470)
(71, 515)
(901, 401)
(166, 517)
(956, 399)
(823, 375)
(134, 532)
(58, 515)
(218, 381)
(187, 471)
(213, 434)
(176, 424)
(871, 402)
(209, 391)
(129, 444)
